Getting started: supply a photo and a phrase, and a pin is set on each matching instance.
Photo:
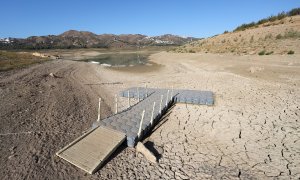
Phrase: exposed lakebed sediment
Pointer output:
(252, 131)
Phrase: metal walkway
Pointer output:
(106, 135)
(128, 121)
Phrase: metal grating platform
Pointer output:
(128, 121)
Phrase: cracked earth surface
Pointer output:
(252, 131)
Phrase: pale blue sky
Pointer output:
(23, 18)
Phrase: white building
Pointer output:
(5, 40)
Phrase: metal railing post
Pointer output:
(161, 99)
(138, 94)
(116, 100)
(128, 99)
(99, 110)
(167, 98)
(141, 124)
(146, 90)
(152, 114)
(172, 93)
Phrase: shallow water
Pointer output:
(119, 59)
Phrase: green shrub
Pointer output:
(262, 21)
(271, 52)
(291, 52)
(294, 12)
(292, 34)
(281, 15)
(225, 32)
(261, 53)
(244, 26)
(192, 51)
(271, 18)
(251, 39)
(268, 36)
(279, 36)
(12, 60)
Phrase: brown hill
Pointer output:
(279, 37)
(85, 39)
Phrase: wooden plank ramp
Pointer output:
(89, 151)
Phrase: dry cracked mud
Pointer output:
(252, 131)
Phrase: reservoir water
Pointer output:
(119, 59)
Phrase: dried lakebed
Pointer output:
(252, 131)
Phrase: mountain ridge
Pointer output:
(86, 39)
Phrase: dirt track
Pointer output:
(251, 132)
(40, 114)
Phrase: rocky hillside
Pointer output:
(280, 36)
(84, 39)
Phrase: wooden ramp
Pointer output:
(90, 150)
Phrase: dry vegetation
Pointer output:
(10, 60)
(280, 36)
